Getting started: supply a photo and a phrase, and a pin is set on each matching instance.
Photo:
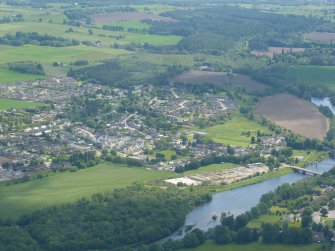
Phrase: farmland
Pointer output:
(320, 36)
(66, 187)
(7, 76)
(231, 132)
(294, 114)
(314, 75)
(256, 247)
(108, 18)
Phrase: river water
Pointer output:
(239, 200)
(324, 102)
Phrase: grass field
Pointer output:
(314, 75)
(213, 167)
(7, 76)
(257, 223)
(255, 247)
(70, 186)
(230, 133)
(6, 104)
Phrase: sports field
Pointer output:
(70, 186)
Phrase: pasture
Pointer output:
(209, 245)
(8, 76)
(218, 78)
(6, 104)
(231, 132)
(70, 186)
(294, 114)
(314, 75)
(125, 16)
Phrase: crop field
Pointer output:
(320, 36)
(70, 186)
(218, 78)
(294, 114)
(108, 18)
(6, 104)
(275, 50)
(230, 133)
(314, 75)
(255, 247)
(7, 76)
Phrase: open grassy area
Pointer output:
(255, 247)
(266, 218)
(6, 104)
(7, 76)
(213, 167)
(70, 186)
(314, 75)
(230, 133)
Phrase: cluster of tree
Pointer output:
(15, 18)
(78, 15)
(21, 38)
(27, 67)
(83, 159)
(322, 56)
(105, 74)
(80, 62)
(325, 110)
(125, 160)
(132, 216)
(217, 159)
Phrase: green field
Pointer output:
(6, 104)
(314, 75)
(7, 76)
(70, 186)
(210, 246)
(257, 223)
(230, 133)
(213, 167)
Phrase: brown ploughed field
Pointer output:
(294, 114)
(321, 36)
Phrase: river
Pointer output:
(324, 102)
(240, 200)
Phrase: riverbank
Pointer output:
(241, 197)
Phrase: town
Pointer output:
(139, 123)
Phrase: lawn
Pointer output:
(7, 76)
(266, 218)
(6, 104)
(230, 133)
(314, 75)
(255, 247)
(69, 186)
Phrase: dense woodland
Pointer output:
(132, 216)
(34, 38)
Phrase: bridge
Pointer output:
(304, 170)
